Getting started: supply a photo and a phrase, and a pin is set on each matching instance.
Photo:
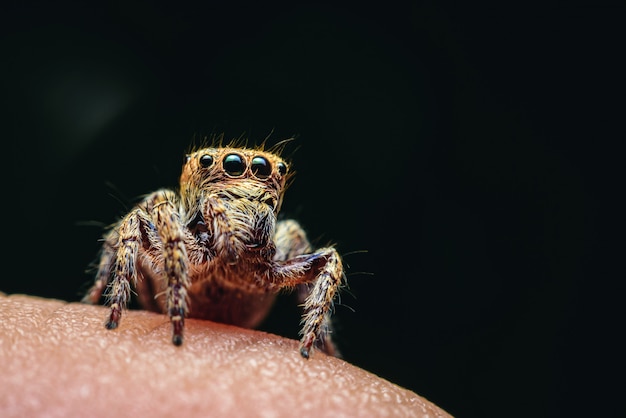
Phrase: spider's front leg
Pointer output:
(318, 275)
(167, 221)
(328, 270)
(153, 227)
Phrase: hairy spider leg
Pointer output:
(127, 242)
(156, 222)
(172, 236)
(291, 241)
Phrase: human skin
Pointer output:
(58, 360)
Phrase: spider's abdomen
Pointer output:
(227, 304)
(228, 295)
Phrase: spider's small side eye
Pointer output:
(206, 160)
(261, 168)
(234, 165)
(186, 158)
(282, 168)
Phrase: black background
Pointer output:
(470, 151)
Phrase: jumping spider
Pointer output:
(215, 250)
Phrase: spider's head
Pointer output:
(234, 173)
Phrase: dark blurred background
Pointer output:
(469, 151)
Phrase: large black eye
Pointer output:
(206, 160)
(234, 165)
(261, 168)
(282, 168)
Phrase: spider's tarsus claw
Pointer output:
(306, 344)
(114, 317)
(177, 340)
(178, 323)
(304, 352)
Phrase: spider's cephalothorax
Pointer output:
(216, 250)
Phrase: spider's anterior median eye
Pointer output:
(282, 168)
(234, 165)
(206, 160)
(261, 168)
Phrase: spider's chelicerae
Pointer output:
(215, 250)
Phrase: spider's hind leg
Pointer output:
(103, 276)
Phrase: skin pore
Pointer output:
(59, 360)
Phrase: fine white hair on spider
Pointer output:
(214, 249)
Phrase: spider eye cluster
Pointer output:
(235, 165)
